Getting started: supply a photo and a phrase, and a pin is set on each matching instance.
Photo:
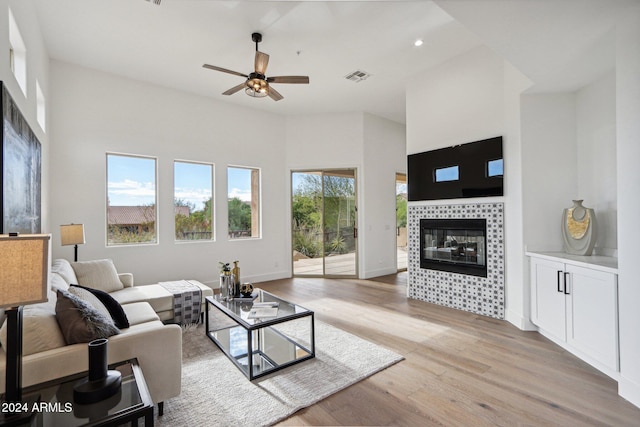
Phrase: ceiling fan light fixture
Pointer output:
(256, 93)
(257, 87)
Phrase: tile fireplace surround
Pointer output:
(469, 293)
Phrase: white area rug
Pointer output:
(216, 393)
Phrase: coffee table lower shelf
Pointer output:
(261, 348)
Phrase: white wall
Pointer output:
(384, 156)
(549, 167)
(628, 153)
(569, 152)
(93, 113)
(596, 139)
(518, 305)
(37, 70)
(460, 101)
(376, 148)
(467, 99)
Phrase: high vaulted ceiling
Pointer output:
(326, 40)
(168, 44)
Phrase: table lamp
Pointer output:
(24, 273)
(72, 234)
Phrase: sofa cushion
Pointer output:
(140, 312)
(80, 322)
(98, 274)
(56, 282)
(40, 330)
(63, 268)
(158, 297)
(113, 307)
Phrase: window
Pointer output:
(17, 54)
(193, 200)
(450, 173)
(40, 107)
(495, 167)
(131, 200)
(243, 198)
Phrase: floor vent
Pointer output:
(357, 76)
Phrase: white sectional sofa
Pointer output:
(156, 344)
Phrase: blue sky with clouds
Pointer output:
(132, 181)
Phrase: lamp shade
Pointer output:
(24, 269)
(72, 234)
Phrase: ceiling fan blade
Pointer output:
(235, 89)
(261, 62)
(274, 94)
(289, 79)
(224, 70)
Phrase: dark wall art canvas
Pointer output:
(21, 171)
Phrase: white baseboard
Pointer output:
(629, 390)
(519, 321)
(254, 279)
(267, 277)
(381, 272)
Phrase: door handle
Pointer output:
(558, 280)
(566, 286)
(355, 232)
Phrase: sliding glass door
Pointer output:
(324, 227)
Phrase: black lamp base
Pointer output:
(18, 413)
(85, 391)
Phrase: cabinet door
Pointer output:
(592, 313)
(547, 297)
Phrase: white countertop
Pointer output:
(596, 262)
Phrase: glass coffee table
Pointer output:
(263, 335)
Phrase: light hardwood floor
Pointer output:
(460, 369)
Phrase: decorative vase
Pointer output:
(236, 273)
(227, 286)
(579, 229)
(246, 289)
(101, 382)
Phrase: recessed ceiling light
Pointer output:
(418, 42)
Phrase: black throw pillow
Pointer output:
(115, 309)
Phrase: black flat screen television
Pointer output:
(469, 170)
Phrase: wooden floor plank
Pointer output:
(459, 369)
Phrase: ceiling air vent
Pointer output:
(357, 76)
(155, 1)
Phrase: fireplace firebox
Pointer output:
(454, 245)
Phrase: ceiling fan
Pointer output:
(257, 84)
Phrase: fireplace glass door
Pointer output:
(454, 245)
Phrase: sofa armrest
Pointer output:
(126, 279)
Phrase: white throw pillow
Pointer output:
(56, 281)
(62, 267)
(98, 274)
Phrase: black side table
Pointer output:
(57, 408)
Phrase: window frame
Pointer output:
(17, 53)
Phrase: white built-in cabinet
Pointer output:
(574, 302)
